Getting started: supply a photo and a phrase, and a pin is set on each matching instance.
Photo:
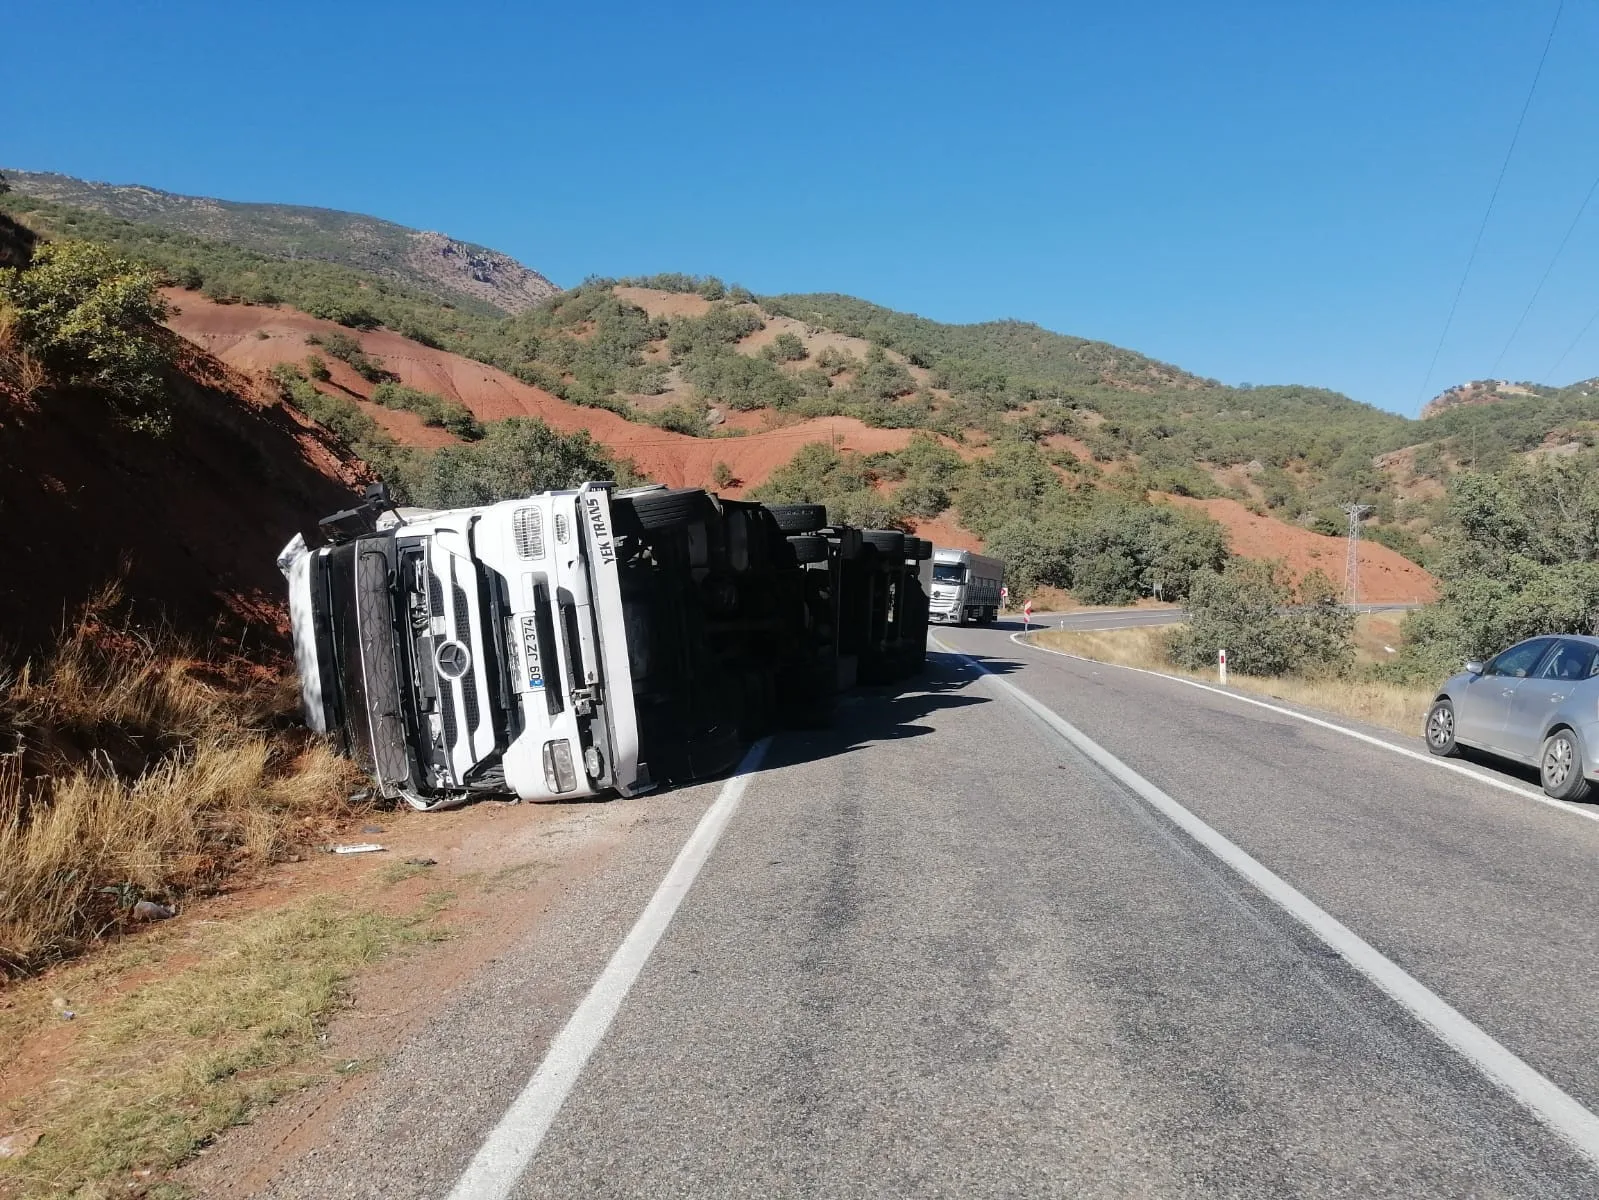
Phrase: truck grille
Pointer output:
(463, 634)
(528, 526)
(447, 716)
(447, 712)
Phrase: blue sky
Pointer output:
(1261, 192)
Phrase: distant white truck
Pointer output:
(966, 587)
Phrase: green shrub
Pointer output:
(832, 361)
(681, 418)
(721, 327)
(92, 319)
(317, 368)
(722, 475)
(740, 381)
(845, 482)
(434, 409)
(787, 347)
(1266, 625)
(517, 457)
(345, 348)
(1518, 556)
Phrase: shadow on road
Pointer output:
(889, 713)
(1501, 766)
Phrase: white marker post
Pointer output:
(1221, 666)
(1027, 616)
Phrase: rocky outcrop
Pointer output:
(477, 271)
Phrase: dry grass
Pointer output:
(229, 1022)
(132, 769)
(1398, 708)
(17, 366)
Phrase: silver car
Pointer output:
(1536, 703)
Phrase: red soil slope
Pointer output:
(945, 531)
(195, 518)
(1386, 577)
(231, 332)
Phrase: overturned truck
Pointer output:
(590, 641)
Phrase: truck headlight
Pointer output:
(558, 771)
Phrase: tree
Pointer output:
(1267, 625)
(787, 347)
(5, 184)
(91, 318)
(845, 483)
(1518, 555)
(517, 457)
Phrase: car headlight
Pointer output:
(558, 772)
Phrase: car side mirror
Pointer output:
(1474, 667)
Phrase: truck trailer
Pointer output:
(588, 640)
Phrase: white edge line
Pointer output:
(1503, 785)
(1541, 1096)
(511, 1145)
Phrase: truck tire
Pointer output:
(889, 542)
(669, 508)
(799, 518)
(809, 549)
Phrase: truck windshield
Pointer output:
(949, 573)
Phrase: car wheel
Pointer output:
(1441, 729)
(1560, 767)
(799, 518)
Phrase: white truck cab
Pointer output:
(471, 651)
(965, 586)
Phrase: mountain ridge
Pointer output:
(435, 263)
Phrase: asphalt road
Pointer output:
(939, 951)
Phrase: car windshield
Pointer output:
(949, 573)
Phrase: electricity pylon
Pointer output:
(1352, 560)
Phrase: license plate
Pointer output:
(530, 654)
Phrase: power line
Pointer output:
(1493, 196)
(1559, 250)
(1574, 343)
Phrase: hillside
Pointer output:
(697, 381)
(187, 505)
(432, 263)
(255, 339)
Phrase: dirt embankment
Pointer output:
(945, 531)
(233, 332)
(195, 518)
(1386, 577)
